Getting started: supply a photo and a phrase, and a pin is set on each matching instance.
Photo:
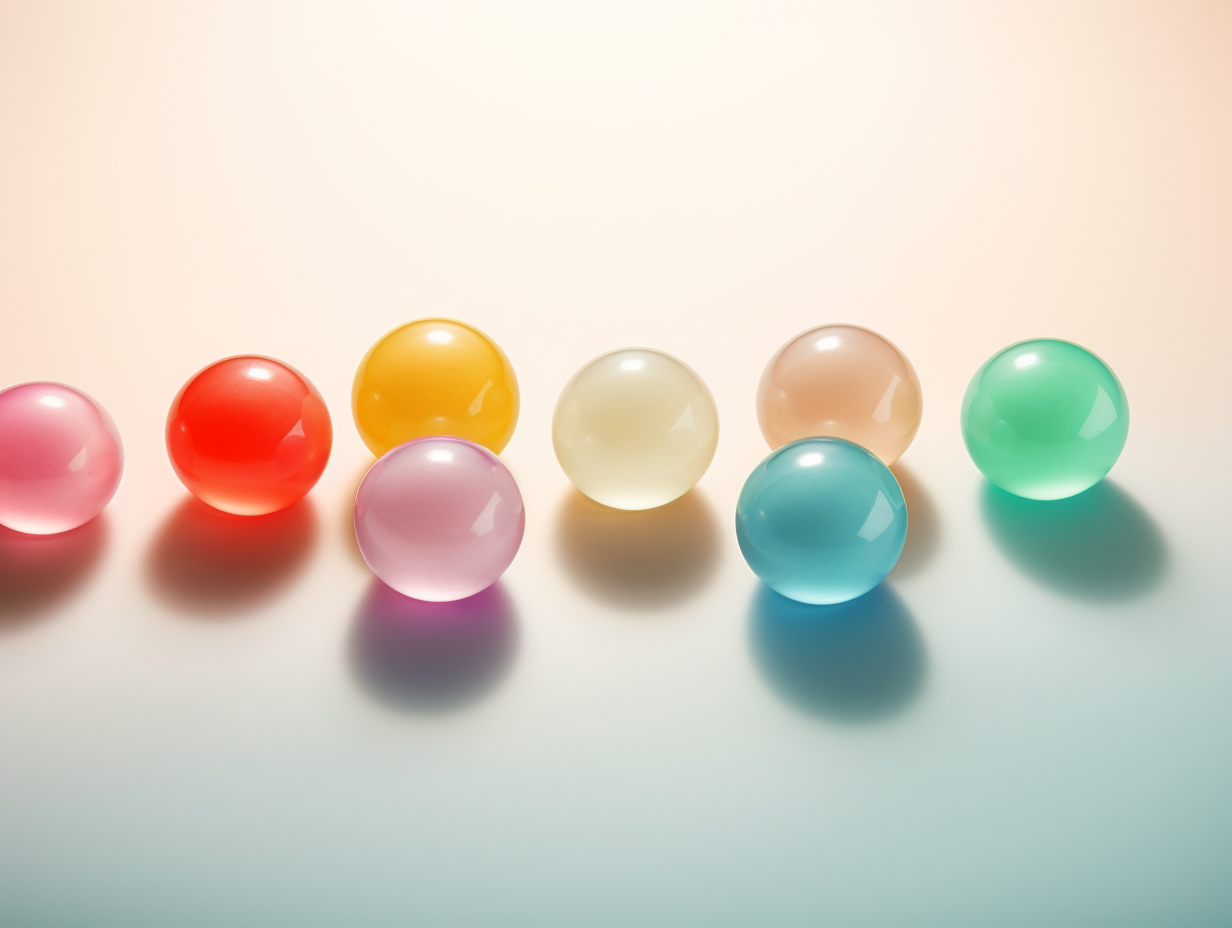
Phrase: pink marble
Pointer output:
(439, 518)
(60, 458)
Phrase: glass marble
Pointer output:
(1045, 419)
(439, 519)
(249, 435)
(821, 520)
(843, 381)
(435, 377)
(60, 458)
(635, 429)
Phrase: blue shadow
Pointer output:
(855, 662)
(431, 657)
(1098, 545)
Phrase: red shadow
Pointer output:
(347, 522)
(207, 562)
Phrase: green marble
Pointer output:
(1045, 419)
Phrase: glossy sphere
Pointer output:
(842, 381)
(1045, 419)
(821, 520)
(439, 518)
(435, 377)
(635, 429)
(249, 435)
(60, 458)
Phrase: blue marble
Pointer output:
(821, 520)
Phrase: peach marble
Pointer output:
(842, 381)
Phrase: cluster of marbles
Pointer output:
(822, 519)
(439, 517)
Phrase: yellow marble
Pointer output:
(435, 377)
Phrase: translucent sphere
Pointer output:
(60, 458)
(635, 429)
(439, 518)
(249, 435)
(821, 520)
(842, 381)
(435, 377)
(1045, 419)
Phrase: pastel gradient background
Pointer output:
(210, 720)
